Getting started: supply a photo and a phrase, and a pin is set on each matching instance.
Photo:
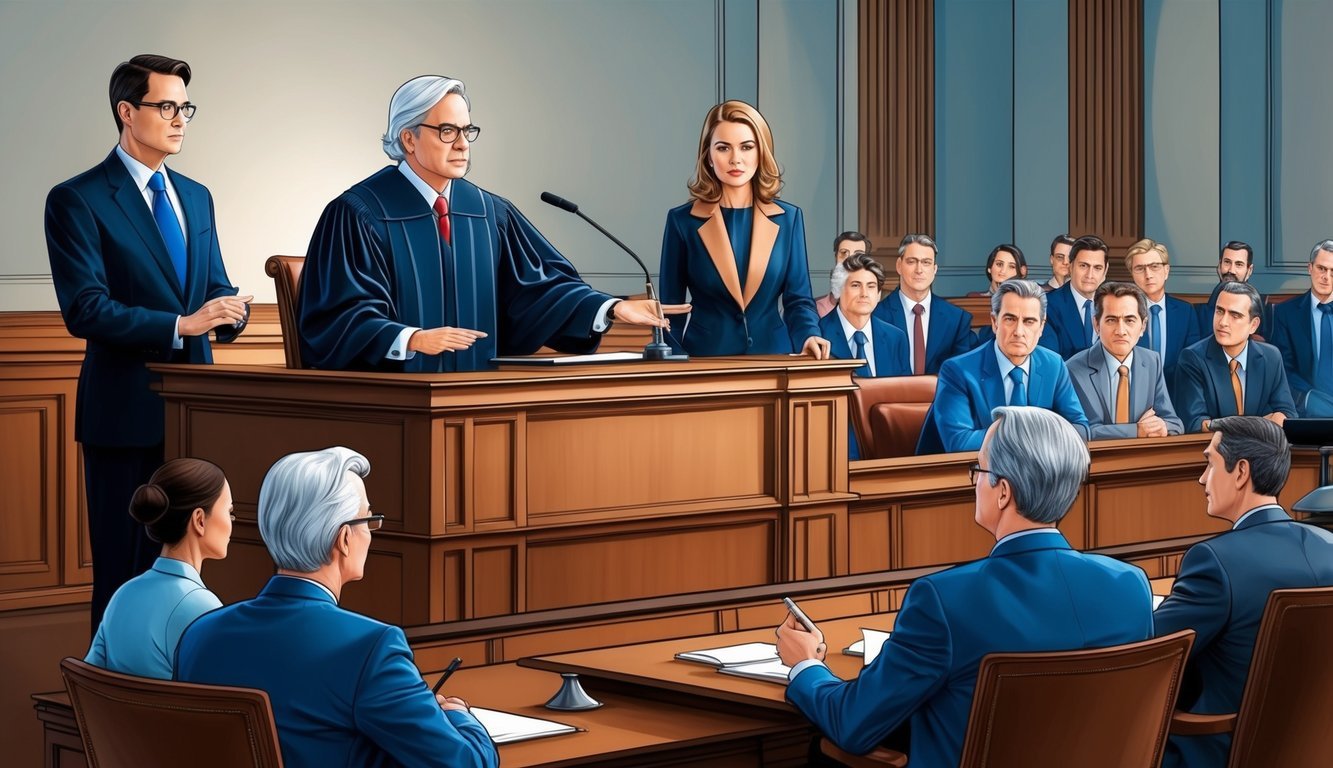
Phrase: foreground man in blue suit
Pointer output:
(1224, 582)
(1033, 593)
(343, 686)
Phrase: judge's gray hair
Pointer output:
(305, 498)
(411, 102)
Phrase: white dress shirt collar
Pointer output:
(428, 193)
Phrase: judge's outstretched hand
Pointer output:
(796, 643)
(433, 341)
(816, 347)
(644, 312)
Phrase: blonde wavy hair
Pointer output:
(1144, 246)
(767, 181)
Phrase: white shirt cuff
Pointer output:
(600, 325)
(803, 666)
(398, 350)
(176, 341)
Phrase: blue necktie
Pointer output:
(1324, 369)
(1087, 323)
(1019, 395)
(859, 352)
(1155, 333)
(168, 225)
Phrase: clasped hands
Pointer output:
(224, 310)
(797, 644)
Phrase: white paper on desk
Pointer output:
(596, 357)
(772, 671)
(872, 640)
(506, 728)
(745, 653)
(1156, 601)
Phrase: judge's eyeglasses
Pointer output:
(449, 132)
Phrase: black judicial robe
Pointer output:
(376, 264)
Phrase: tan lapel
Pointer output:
(714, 235)
(762, 237)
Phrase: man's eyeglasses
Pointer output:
(1154, 268)
(372, 522)
(170, 108)
(449, 132)
(973, 470)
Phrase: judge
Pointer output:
(415, 269)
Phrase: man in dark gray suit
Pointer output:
(1122, 388)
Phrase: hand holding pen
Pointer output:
(449, 702)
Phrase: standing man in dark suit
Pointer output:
(1172, 323)
(1302, 330)
(138, 272)
(936, 330)
(1122, 388)
(1235, 264)
(1223, 584)
(1229, 373)
(1069, 327)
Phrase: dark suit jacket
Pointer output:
(1182, 330)
(118, 290)
(343, 686)
(726, 320)
(970, 387)
(1033, 593)
(1064, 333)
(1147, 389)
(1293, 335)
(950, 333)
(1203, 383)
(1220, 593)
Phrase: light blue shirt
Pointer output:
(1113, 371)
(140, 174)
(1316, 320)
(1243, 358)
(145, 619)
(1005, 367)
(848, 330)
(908, 303)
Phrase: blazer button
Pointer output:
(749, 342)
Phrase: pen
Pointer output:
(453, 667)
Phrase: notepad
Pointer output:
(745, 653)
(507, 728)
(1156, 601)
(869, 646)
(770, 671)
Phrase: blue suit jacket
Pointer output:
(731, 316)
(343, 686)
(1293, 335)
(1033, 593)
(1220, 593)
(118, 290)
(950, 333)
(890, 355)
(1064, 333)
(1182, 330)
(970, 387)
(1203, 383)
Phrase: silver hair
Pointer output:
(411, 102)
(1042, 457)
(1023, 289)
(1249, 292)
(1322, 245)
(918, 240)
(305, 498)
(838, 278)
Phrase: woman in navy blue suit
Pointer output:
(737, 250)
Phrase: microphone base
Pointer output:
(662, 351)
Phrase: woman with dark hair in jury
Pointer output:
(186, 507)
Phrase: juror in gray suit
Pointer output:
(1120, 311)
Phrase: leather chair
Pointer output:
(1098, 708)
(903, 401)
(135, 721)
(1288, 690)
(286, 274)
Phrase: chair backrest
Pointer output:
(135, 721)
(286, 274)
(1105, 707)
(1290, 686)
(904, 400)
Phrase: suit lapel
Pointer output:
(762, 237)
(1100, 377)
(992, 388)
(1220, 374)
(713, 233)
(198, 241)
(1142, 385)
(131, 202)
(1255, 379)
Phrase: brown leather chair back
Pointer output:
(1290, 685)
(905, 400)
(286, 274)
(135, 721)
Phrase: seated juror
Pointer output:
(1229, 373)
(1010, 369)
(343, 686)
(1032, 593)
(1224, 582)
(1122, 389)
(936, 330)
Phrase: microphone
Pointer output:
(657, 349)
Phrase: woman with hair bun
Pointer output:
(186, 506)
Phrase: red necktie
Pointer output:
(442, 211)
(918, 342)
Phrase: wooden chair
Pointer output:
(1290, 686)
(135, 721)
(286, 274)
(1099, 708)
(901, 403)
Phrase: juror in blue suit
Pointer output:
(1302, 330)
(738, 251)
(138, 272)
(1172, 323)
(1033, 593)
(1069, 324)
(947, 329)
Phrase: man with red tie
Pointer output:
(936, 330)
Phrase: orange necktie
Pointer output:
(1122, 396)
(1235, 388)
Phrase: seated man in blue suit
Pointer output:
(1173, 323)
(1069, 328)
(936, 330)
(343, 686)
(1009, 370)
(1302, 330)
(854, 333)
(1224, 582)
(1033, 593)
(1229, 373)
(1122, 389)
(1235, 264)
